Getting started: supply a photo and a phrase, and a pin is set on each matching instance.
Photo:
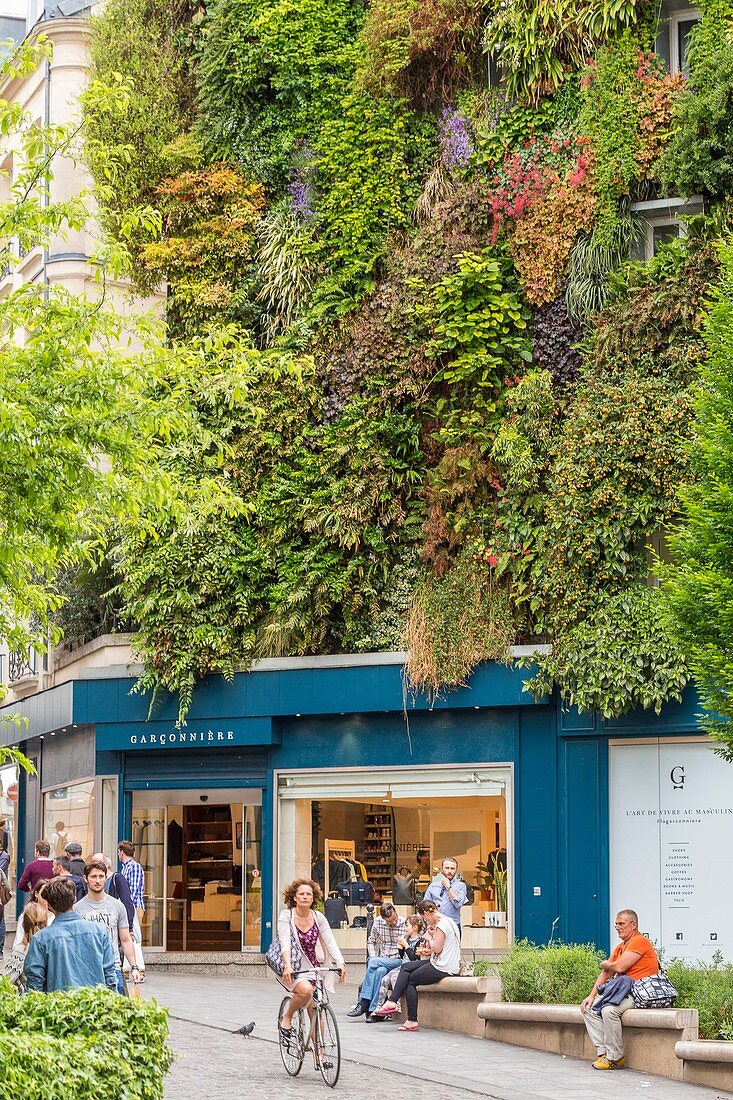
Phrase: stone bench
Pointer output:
(650, 1034)
(706, 1062)
(452, 1003)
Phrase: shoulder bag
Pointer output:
(274, 955)
(656, 991)
(5, 894)
(13, 969)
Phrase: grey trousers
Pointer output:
(605, 1030)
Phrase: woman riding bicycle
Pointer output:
(317, 944)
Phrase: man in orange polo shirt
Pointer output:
(636, 958)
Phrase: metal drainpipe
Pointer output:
(46, 196)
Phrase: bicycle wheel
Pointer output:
(326, 1035)
(292, 1054)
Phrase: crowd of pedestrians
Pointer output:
(82, 923)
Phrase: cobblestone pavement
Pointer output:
(216, 1066)
(377, 1060)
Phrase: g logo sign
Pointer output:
(677, 775)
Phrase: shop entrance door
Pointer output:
(202, 861)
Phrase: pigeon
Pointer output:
(245, 1031)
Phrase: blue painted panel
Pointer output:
(195, 736)
(378, 740)
(536, 824)
(572, 722)
(674, 718)
(583, 849)
(363, 689)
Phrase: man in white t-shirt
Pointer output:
(100, 908)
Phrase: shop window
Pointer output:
(8, 806)
(202, 863)
(367, 838)
(68, 815)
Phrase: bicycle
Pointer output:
(320, 1034)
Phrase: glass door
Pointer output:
(250, 838)
(148, 837)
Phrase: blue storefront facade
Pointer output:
(342, 722)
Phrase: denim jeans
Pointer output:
(2, 929)
(375, 971)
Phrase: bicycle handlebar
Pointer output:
(319, 970)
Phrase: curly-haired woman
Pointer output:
(315, 939)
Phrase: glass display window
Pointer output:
(373, 837)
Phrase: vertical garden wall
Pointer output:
(446, 405)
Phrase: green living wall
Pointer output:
(449, 410)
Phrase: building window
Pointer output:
(680, 24)
(662, 220)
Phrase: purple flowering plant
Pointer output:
(301, 187)
(454, 139)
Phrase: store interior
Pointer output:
(366, 851)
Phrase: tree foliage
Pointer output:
(700, 586)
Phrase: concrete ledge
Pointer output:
(453, 1003)
(707, 1062)
(246, 964)
(650, 1034)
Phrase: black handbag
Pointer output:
(655, 991)
(403, 888)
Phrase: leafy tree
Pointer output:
(700, 586)
(79, 434)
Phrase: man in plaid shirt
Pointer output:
(135, 876)
(384, 955)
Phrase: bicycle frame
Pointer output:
(321, 1015)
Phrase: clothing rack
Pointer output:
(336, 849)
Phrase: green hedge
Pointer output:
(564, 974)
(89, 1044)
(709, 989)
(556, 974)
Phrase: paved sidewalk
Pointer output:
(378, 1059)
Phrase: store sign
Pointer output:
(191, 737)
(671, 830)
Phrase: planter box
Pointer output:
(650, 1035)
(707, 1062)
(452, 1004)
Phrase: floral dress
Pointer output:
(308, 941)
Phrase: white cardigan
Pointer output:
(328, 952)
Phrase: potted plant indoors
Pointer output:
(499, 878)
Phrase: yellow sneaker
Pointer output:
(604, 1062)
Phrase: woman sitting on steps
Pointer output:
(444, 950)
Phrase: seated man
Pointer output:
(634, 957)
(384, 955)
